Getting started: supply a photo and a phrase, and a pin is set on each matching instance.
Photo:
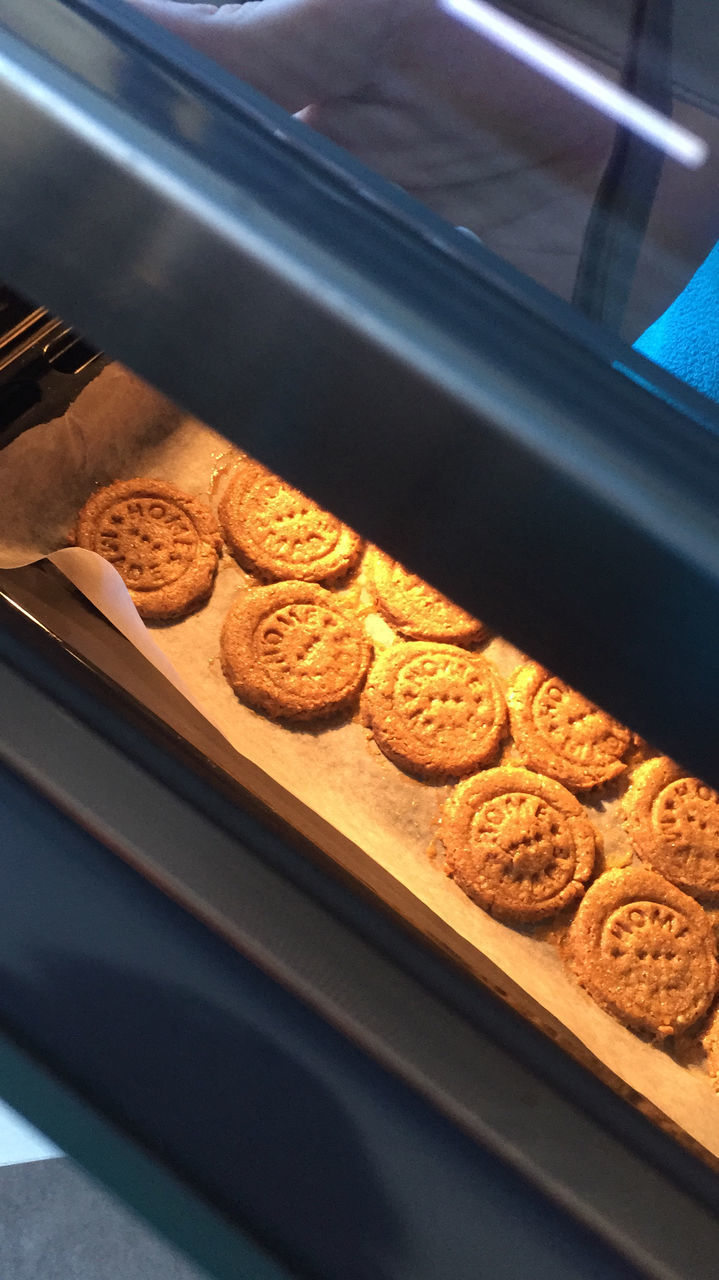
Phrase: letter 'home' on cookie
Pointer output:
(518, 844)
(163, 542)
(560, 733)
(672, 821)
(644, 951)
(278, 533)
(292, 651)
(415, 609)
(435, 710)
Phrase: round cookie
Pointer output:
(163, 543)
(672, 821)
(414, 608)
(645, 951)
(290, 650)
(435, 710)
(560, 733)
(278, 533)
(518, 844)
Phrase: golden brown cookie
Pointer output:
(560, 733)
(290, 650)
(163, 543)
(644, 951)
(435, 710)
(518, 844)
(414, 608)
(672, 821)
(278, 533)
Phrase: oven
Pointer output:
(245, 982)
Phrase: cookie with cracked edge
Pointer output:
(415, 609)
(436, 711)
(644, 951)
(672, 821)
(290, 650)
(164, 544)
(562, 734)
(276, 532)
(519, 845)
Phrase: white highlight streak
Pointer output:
(579, 79)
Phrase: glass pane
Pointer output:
(578, 141)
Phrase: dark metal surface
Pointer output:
(397, 372)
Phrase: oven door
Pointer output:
(196, 1005)
(268, 1067)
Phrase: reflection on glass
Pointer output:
(579, 79)
(509, 136)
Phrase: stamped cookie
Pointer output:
(414, 608)
(518, 844)
(672, 821)
(278, 533)
(435, 710)
(290, 650)
(645, 951)
(560, 733)
(163, 543)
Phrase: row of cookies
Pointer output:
(641, 943)
(517, 842)
(278, 534)
(155, 535)
(671, 819)
(165, 544)
(521, 846)
(293, 651)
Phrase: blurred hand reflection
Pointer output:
(481, 139)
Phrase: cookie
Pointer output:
(518, 844)
(290, 650)
(645, 951)
(163, 543)
(279, 534)
(672, 821)
(560, 733)
(414, 608)
(435, 710)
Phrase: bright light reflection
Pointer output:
(579, 79)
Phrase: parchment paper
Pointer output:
(118, 428)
